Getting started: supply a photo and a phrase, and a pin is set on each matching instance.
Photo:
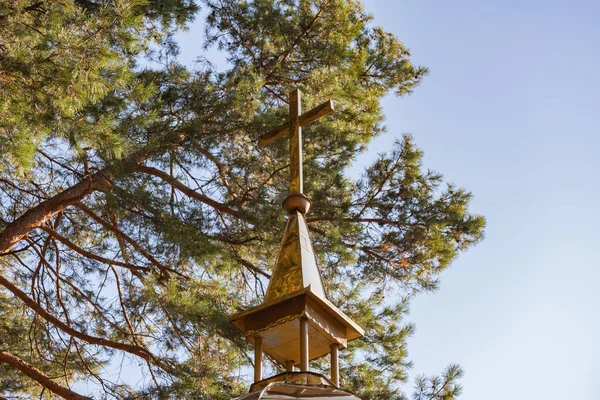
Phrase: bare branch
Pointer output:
(133, 268)
(222, 207)
(39, 377)
(42, 312)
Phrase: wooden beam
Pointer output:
(335, 365)
(304, 344)
(295, 130)
(258, 358)
(316, 113)
(289, 365)
(305, 119)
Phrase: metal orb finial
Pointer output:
(296, 201)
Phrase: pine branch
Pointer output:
(39, 376)
(38, 215)
(39, 310)
(135, 269)
(222, 207)
(164, 269)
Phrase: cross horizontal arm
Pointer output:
(305, 119)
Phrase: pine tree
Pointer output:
(137, 211)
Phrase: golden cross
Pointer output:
(294, 127)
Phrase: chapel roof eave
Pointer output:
(353, 329)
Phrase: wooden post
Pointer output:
(289, 365)
(303, 344)
(258, 358)
(335, 365)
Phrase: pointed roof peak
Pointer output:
(296, 266)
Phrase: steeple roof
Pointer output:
(296, 292)
(296, 266)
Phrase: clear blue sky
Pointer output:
(509, 111)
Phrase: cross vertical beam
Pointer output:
(295, 130)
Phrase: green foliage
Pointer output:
(56, 58)
(186, 228)
(440, 388)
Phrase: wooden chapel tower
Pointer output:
(296, 323)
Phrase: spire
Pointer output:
(296, 266)
(296, 322)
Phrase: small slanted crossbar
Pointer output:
(293, 127)
(305, 119)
